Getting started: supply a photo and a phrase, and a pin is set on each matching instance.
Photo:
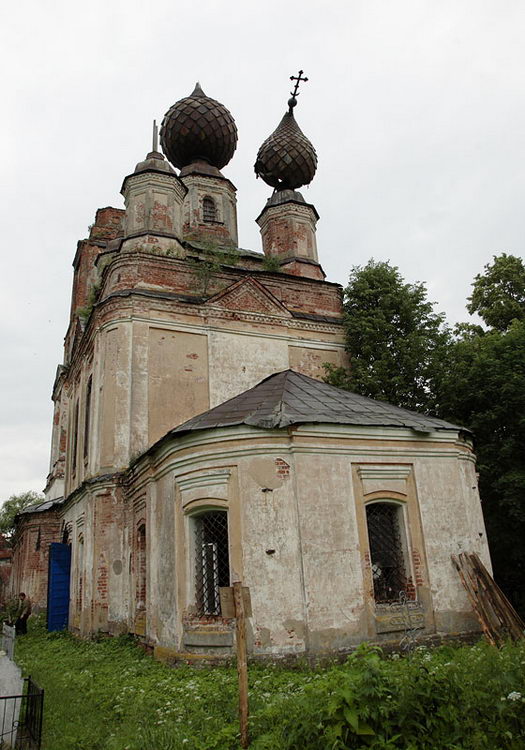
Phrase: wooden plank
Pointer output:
(242, 662)
(497, 617)
(484, 599)
(473, 599)
(228, 605)
(510, 617)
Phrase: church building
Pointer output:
(195, 443)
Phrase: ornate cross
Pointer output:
(297, 80)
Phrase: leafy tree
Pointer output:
(396, 341)
(12, 506)
(499, 293)
(483, 388)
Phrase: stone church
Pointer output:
(195, 443)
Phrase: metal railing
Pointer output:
(21, 718)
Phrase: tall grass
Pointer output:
(109, 695)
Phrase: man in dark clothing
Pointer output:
(22, 613)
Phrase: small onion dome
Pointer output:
(198, 128)
(287, 159)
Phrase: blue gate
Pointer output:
(58, 586)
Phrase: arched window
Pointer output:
(209, 210)
(212, 560)
(141, 567)
(87, 417)
(74, 444)
(388, 556)
(66, 533)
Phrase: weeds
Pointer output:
(108, 695)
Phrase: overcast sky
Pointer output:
(416, 110)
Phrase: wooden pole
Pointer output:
(242, 662)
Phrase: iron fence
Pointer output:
(21, 718)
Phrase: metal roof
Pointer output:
(41, 507)
(289, 398)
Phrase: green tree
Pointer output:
(395, 340)
(14, 505)
(499, 293)
(483, 388)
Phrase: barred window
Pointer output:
(212, 565)
(209, 210)
(387, 551)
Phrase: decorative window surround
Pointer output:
(387, 477)
(213, 483)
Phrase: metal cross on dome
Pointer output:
(295, 93)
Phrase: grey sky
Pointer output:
(416, 109)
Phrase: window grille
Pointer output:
(211, 560)
(386, 552)
(209, 211)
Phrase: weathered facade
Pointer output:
(329, 516)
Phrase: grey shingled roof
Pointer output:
(288, 398)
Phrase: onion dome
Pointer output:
(198, 128)
(287, 159)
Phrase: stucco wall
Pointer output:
(297, 526)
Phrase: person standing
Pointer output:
(22, 614)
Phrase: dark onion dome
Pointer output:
(287, 159)
(198, 128)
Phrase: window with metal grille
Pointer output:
(209, 211)
(212, 564)
(387, 556)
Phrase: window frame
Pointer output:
(207, 217)
(141, 566)
(87, 418)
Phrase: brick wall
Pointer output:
(35, 532)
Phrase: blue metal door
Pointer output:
(58, 586)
